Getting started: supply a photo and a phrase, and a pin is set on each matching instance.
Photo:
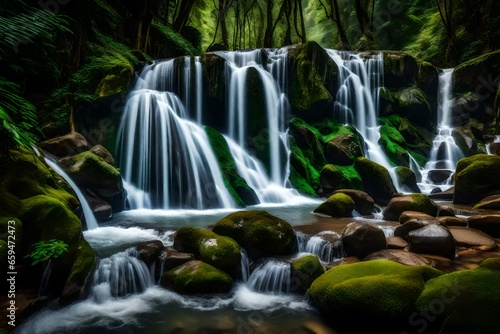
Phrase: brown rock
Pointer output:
(400, 256)
(489, 224)
(411, 225)
(396, 243)
(361, 239)
(432, 239)
(439, 176)
(452, 221)
(364, 203)
(409, 215)
(446, 195)
(490, 202)
(173, 258)
(412, 202)
(472, 238)
(446, 211)
(67, 145)
(346, 260)
(102, 152)
(150, 251)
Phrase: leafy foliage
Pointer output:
(45, 250)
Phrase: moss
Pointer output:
(470, 184)
(399, 69)
(470, 75)
(237, 186)
(337, 205)
(307, 89)
(83, 264)
(376, 180)
(220, 251)
(308, 139)
(46, 218)
(300, 184)
(407, 179)
(352, 179)
(331, 177)
(196, 277)
(412, 202)
(15, 230)
(259, 232)
(381, 292)
(305, 173)
(343, 145)
(467, 301)
(410, 102)
(173, 42)
(306, 269)
(393, 143)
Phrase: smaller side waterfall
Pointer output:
(245, 265)
(120, 275)
(87, 211)
(445, 153)
(270, 275)
(326, 245)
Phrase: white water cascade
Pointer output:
(326, 245)
(87, 211)
(167, 156)
(358, 100)
(120, 275)
(270, 275)
(445, 153)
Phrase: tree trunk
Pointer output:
(343, 36)
(268, 37)
(183, 15)
(364, 19)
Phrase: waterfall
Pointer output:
(357, 100)
(87, 211)
(320, 245)
(445, 153)
(245, 265)
(270, 275)
(120, 275)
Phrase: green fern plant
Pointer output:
(46, 250)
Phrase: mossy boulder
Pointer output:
(361, 239)
(217, 250)
(339, 177)
(466, 301)
(364, 204)
(308, 139)
(407, 179)
(312, 80)
(303, 176)
(89, 170)
(380, 292)
(237, 186)
(259, 232)
(400, 69)
(376, 180)
(337, 205)
(300, 184)
(196, 277)
(412, 202)
(477, 72)
(409, 102)
(428, 82)
(344, 146)
(116, 82)
(305, 270)
(394, 145)
(471, 185)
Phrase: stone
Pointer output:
(150, 251)
(411, 225)
(67, 145)
(432, 239)
(472, 238)
(337, 205)
(412, 202)
(446, 195)
(399, 256)
(396, 243)
(489, 224)
(173, 258)
(196, 277)
(376, 180)
(446, 211)
(407, 179)
(471, 185)
(361, 239)
(259, 233)
(452, 221)
(102, 152)
(305, 270)
(490, 202)
(364, 203)
(439, 176)
(408, 215)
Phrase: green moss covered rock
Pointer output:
(308, 139)
(468, 76)
(412, 202)
(399, 69)
(303, 176)
(376, 180)
(409, 102)
(364, 204)
(217, 250)
(259, 232)
(471, 185)
(343, 146)
(237, 186)
(466, 301)
(311, 72)
(381, 292)
(407, 179)
(305, 270)
(394, 145)
(196, 277)
(337, 205)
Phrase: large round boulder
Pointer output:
(361, 239)
(337, 205)
(376, 180)
(490, 202)
(380, 292)
(69, 144)
(196, 277)
(305, 270)
(471, 185)
(412, 202)
(489, 224)
(259, 232)
(364, 203)
(432, 239)
(407, 179)
(219, 251)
